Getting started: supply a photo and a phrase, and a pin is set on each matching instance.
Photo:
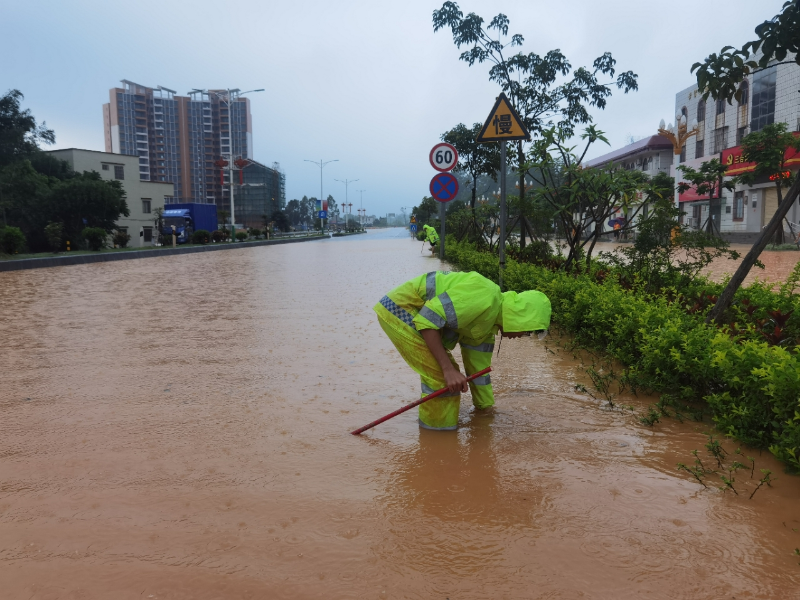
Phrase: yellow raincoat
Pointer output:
(431, 235)
(467, 309)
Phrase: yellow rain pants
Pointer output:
(440, 413)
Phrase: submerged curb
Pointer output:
(83, 259)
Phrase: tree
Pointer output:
(87, 200)
(708, 179)
(582, 200)
(54, 232)
(720, 75)
(767, 149)
(333, 208)
(473, 158)
(19, 134)
(534, 84)
(158, 221)
(281, 220)
(427, 212)
(293, 212)
(223, 216)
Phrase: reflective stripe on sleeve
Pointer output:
(483, 380)
(487, 347)
(430, 286)
(449, 310)
(432, 317)
(397, 311)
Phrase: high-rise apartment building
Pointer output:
(180, 139)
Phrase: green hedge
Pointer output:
(751, 387)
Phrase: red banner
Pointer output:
(691, 194)
(732, 157)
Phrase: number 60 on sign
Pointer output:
(443, 157)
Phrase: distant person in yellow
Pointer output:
(431, 236)
(427, 316)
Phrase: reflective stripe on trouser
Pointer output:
(441, 412)
(477, 358)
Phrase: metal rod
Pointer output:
(502, 246)
(415, 403)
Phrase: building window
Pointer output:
(763, 110)
(105, 167)
(699, 148)
(721, 106)
(740, 133)
(147, 234)
(744, 97)
(146, 206)
(701, 110)
(738, 206)
(683, 153)
(720, 139)
(119, 172)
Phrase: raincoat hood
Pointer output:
(528, 311)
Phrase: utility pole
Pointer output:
(321, 165)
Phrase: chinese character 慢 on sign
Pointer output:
(502, 124)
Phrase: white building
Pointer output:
(769, 96)
(143, 197)
(651, 155)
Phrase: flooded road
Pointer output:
(177, 428)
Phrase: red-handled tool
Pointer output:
(416, 403)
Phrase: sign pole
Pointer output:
(442, 216)
(502, 245)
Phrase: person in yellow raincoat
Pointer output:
(427, 316)
(431, 236)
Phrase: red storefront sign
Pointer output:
(732, 157)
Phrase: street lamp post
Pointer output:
(321, 165)
(677, 134)
(228, 97)
(361, 210)
(346, 182)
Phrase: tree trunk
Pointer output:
(521, 197)
(726, 297)
(474, 194)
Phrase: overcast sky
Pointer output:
(367, 83)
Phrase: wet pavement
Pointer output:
(177, 428)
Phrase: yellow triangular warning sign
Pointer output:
(503, 123)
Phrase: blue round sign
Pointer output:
(444, 187)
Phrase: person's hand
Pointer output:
(455, 381)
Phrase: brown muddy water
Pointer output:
(177, 428)
(778, 264)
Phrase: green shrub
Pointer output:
(254, 232)
(12, 240)
(219, 236)
(742, 372)
(241, 235)
(54, 232)
(96, 237)
(201, 236)
(121, 238)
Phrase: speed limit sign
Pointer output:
(443, 157)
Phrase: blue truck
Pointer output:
(188, 218)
